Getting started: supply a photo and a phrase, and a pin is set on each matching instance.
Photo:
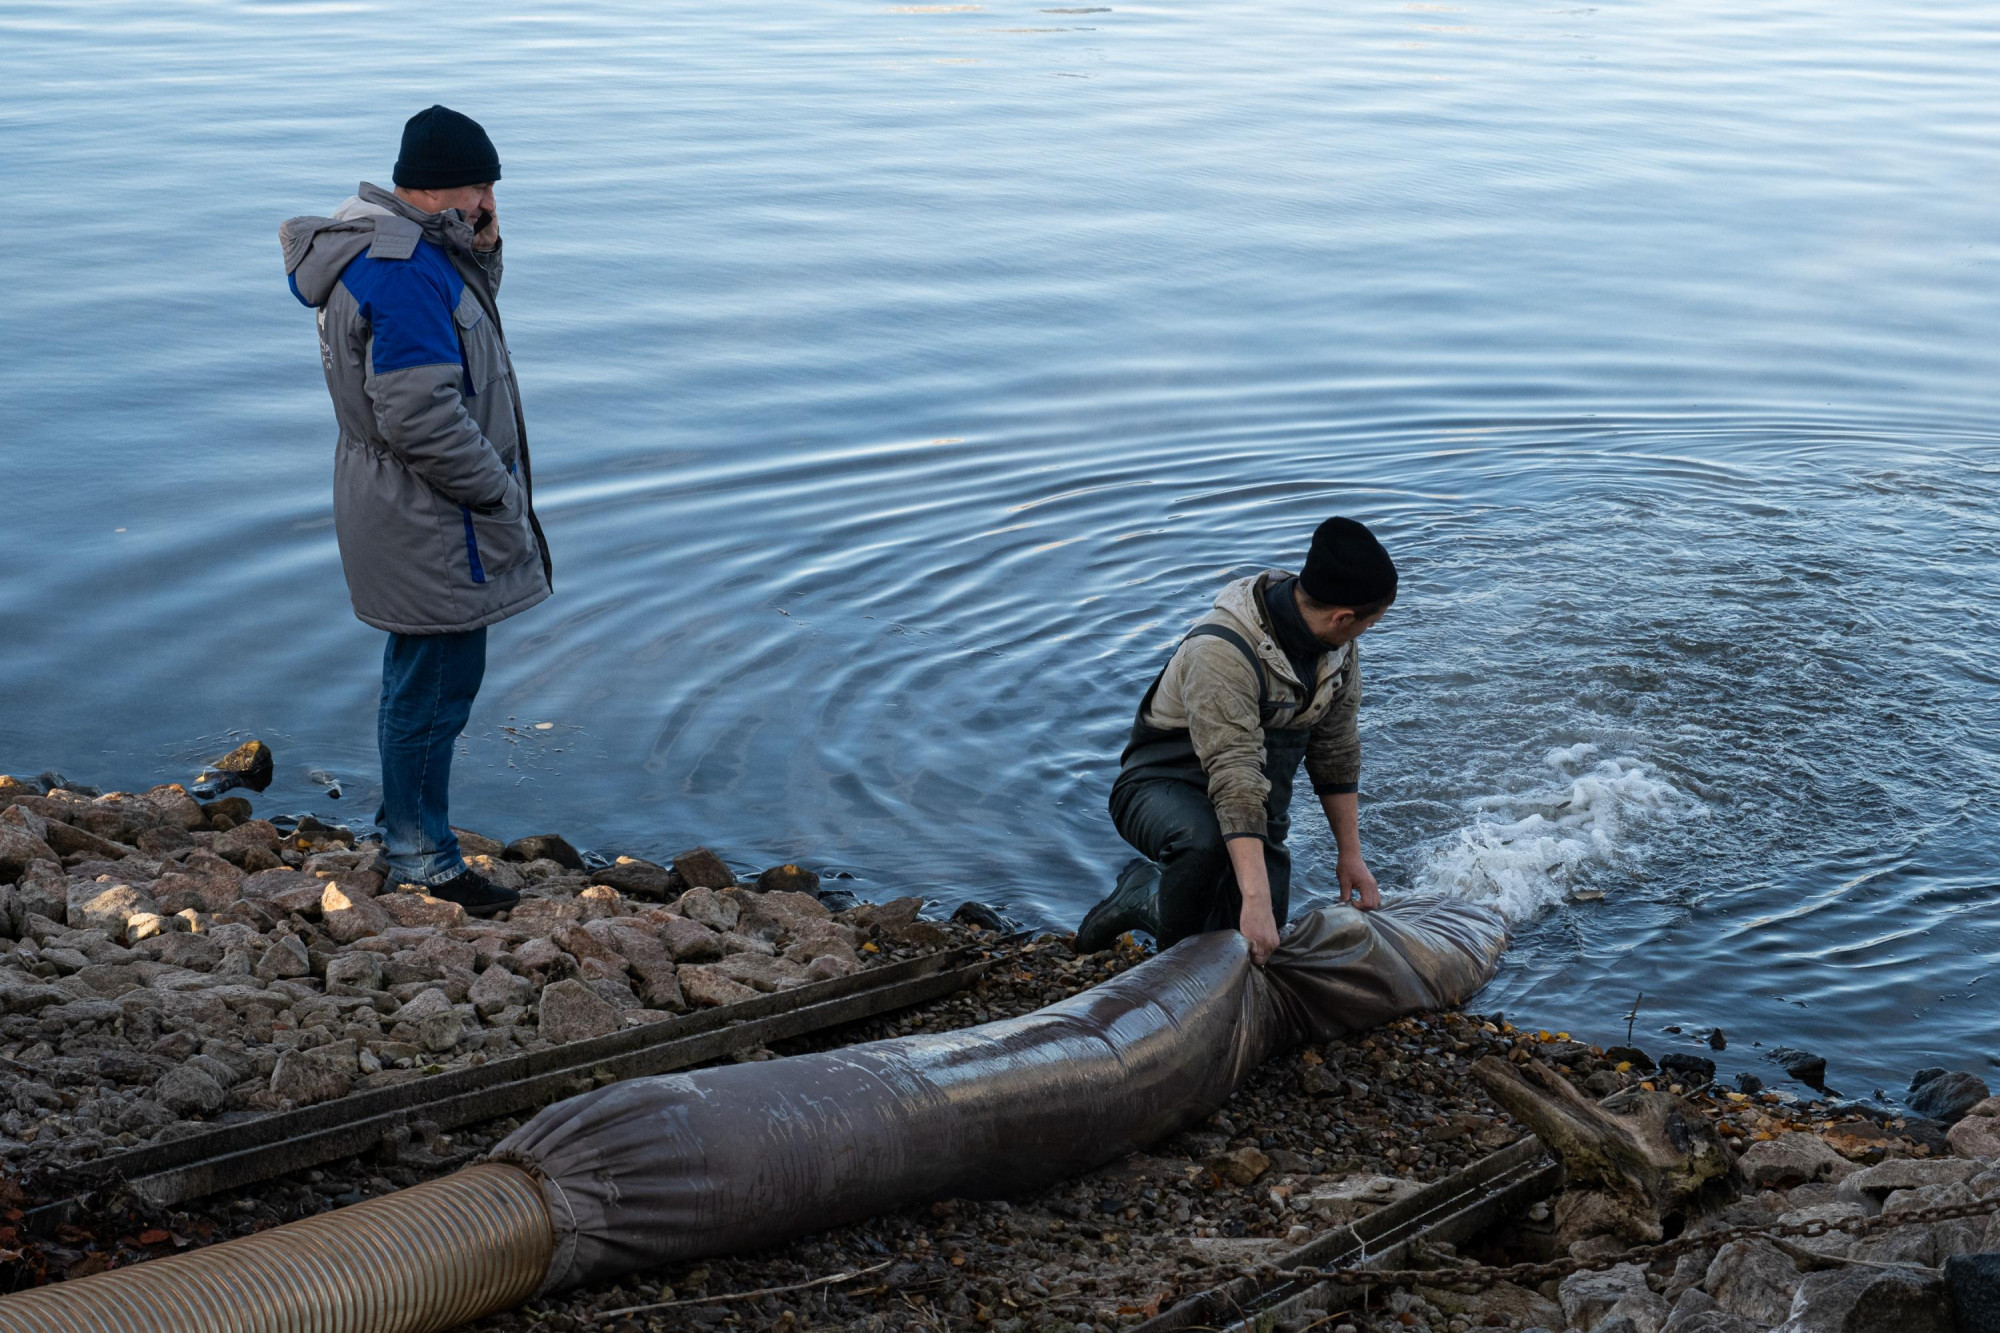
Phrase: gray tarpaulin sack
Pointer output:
(738, 1157)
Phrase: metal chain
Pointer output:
(1479, 1277)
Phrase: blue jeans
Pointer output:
(428, 684)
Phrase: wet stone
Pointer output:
(1945, 1095)
(545, 846)
(248, 765)
(789, 879)
(703, 869)
(636, 878)
(1804, 1066)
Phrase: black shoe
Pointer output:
(1133, 905)
(478, 895)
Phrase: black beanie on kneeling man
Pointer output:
(1347, 566)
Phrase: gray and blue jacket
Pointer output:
(432, 493)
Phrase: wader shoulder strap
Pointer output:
(1230, 636)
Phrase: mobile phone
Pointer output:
(484, 220)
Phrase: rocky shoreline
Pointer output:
(172, 963)
(168, 964)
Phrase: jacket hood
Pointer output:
(318, 249)
(1243, 602)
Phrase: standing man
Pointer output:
(1269, 677)
(432, 494)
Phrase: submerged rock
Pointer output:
(248, 765)
(1946, 1096)
(980, 915)
(636, 878)
(1804, 1066)
(788, 879)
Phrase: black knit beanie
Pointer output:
(443, 149)
(1347, 566)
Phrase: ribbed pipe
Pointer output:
(420, 1260)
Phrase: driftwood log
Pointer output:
(1638, 1173)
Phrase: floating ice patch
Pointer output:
(1524, 852)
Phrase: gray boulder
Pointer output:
(20, 849)
(286, 958)
(1972, 1288)
(1870, 1300)
(95, 905)
(1791, 1159)
(571, 1011)
(1696, 1312)
(1589, 1297)
(1876, 1183)
(186, 1091)
(1752, 1278)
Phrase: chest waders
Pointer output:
(1160, 805)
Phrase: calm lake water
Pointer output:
(903, 379)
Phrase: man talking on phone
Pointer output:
(433, 499)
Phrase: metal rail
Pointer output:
(1452, 1211)
(255, 1150)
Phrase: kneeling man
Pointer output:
(1269, 678)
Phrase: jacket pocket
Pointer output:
(500, 541)
(484, 357)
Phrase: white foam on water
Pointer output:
(1524, 852)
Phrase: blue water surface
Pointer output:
(902, 379)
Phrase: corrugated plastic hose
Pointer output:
(422, 1259)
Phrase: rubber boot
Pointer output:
(1133, 905)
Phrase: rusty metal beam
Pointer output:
(273, 1145)
(1452, 1211)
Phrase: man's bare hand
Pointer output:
(1357, 883)
(1260, 929)
(485, 237)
